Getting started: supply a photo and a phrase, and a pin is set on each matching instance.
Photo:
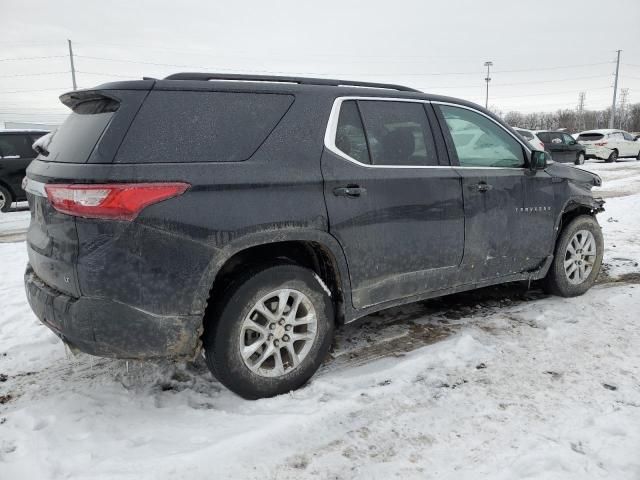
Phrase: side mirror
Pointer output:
(538, 160)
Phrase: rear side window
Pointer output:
(16, 146)
(74, 140)
(526, 135)
(398, 133)
(384, 132)
(550, 137)
(590, 137)
(177, 126)
(350, 137)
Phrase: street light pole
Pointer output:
(487, 79)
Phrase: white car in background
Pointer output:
(531, 137)
(609, 144)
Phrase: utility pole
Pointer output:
(615, 90)
(580, 113)
(487, 79)
(73, 68)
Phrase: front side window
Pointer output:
(479, 141)
(568, 139)
(627, 136)
(398, 133)
(350, 138)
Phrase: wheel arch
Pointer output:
(574, 208)
(317, 251)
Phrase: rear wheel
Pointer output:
(580, 159)
(577, 260)
(5, 199)
(272, 333)
(613, 157)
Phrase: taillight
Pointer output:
(116, 201)
(601, 144)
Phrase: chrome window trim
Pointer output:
(34, 187)
(332, 127)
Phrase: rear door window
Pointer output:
(350, 136)
(16, 145)
(398, 133)
(182, 126)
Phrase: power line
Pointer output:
(61, 89)
(550, 93)
(30, 58)
(33, 74)
(396, 74)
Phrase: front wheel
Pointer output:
(272, 333)
(577, 260)
(580, 159)
(5, 199)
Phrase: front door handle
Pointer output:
(483, 187)
(351, 191)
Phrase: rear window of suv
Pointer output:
(74, 140)
(179, 126)
(590, 137)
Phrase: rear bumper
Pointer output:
(106, 328)
(601, 153)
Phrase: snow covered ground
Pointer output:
(499, 384)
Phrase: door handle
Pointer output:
(351, 191)
(483, 187)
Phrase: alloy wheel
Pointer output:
(580, 257)
(278, 333)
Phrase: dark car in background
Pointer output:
(563, 147)
(15, 156)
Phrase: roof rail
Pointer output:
(283, 79)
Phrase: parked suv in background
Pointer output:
(563, 147)
(531, 137)
(15, 155)
(609, 145)
(250, 215)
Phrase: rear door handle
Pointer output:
(483, 187)
(351, 191)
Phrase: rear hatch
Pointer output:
(91, 134)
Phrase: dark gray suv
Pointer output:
(249, 216)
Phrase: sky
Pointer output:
(544, 53)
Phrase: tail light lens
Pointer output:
(115, 201)
(601, 144)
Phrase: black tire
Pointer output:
(580, 158)
(613, 157)
(638, 156)
(222, 334)
(556, 281)
(6, 199)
